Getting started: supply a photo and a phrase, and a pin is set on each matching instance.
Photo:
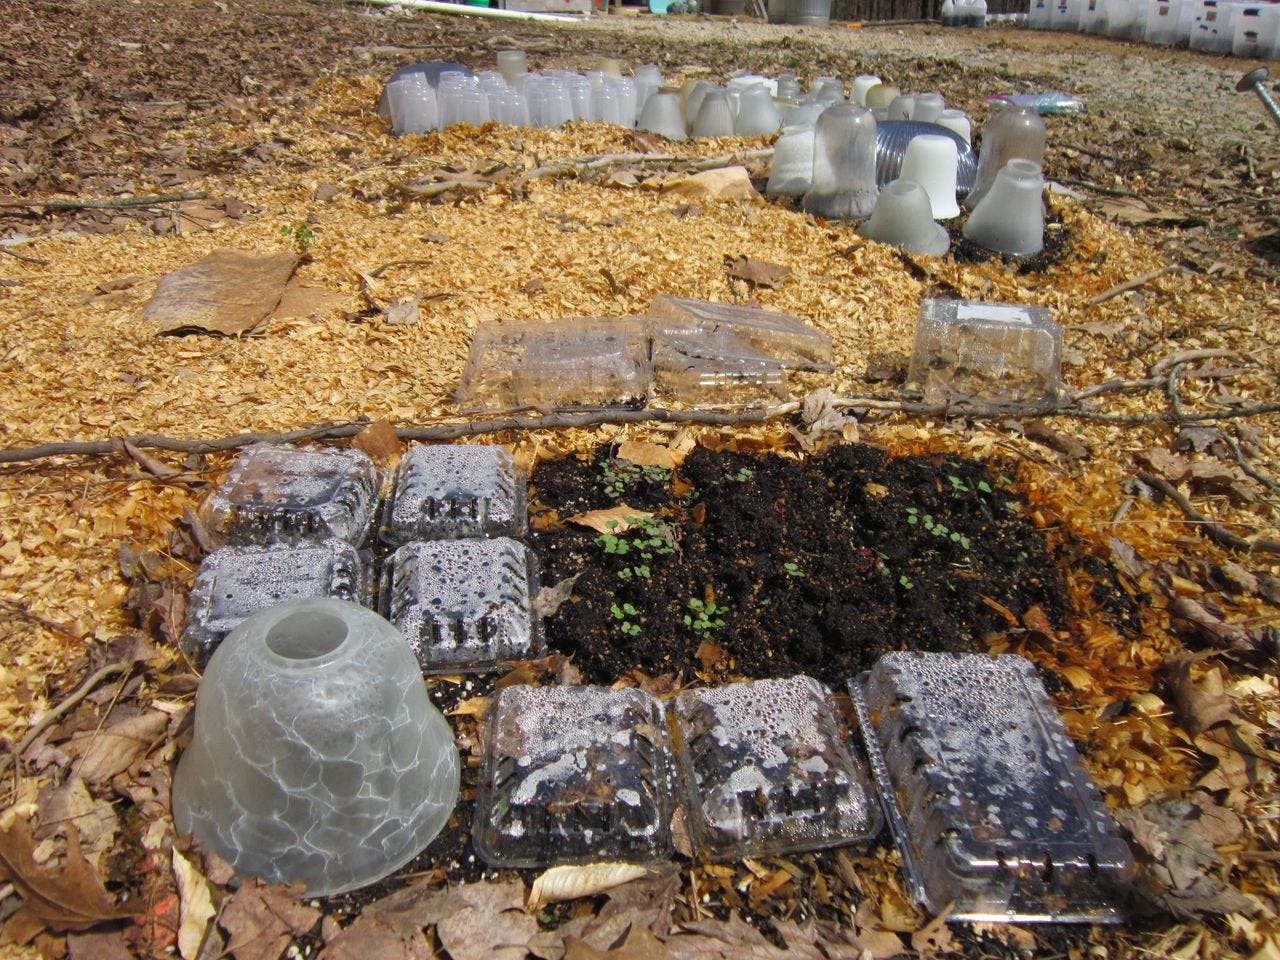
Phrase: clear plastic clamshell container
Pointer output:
(736, 375)
(584, 364)
(233, 583)
(448, 492)
(464, 605)
(574, 775)
(968, 350)
(281, 494)
(708, 329)
(765, 768)
(986, 795)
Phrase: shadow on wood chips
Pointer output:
(765, 566)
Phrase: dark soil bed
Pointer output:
(766, 566)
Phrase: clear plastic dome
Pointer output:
(317, 755)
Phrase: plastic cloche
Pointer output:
(317, 756)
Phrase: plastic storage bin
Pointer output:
(464, 605)
(1040, 16)
(234, 583)
(990, 806)
(1093, 19)
(317, 756)
(764, 768)
(556, 365)
(573, 775)
(1213, 27)
(448, 492)
(1162, 22)
(1254, 30)
(966, 349)
(781, 336)
(277, 493)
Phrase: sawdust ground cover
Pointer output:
(1160, 629)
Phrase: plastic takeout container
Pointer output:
(281, 494)
(446, 492)
(985, 793)
(464, 605)
(573, 775)
(765, 768)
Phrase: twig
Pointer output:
(82, 691)
(108, 203)
(23, 257)
(1171, 389)
(1187, 356)
(1138, 281)
(376, 274)
(1215, 531)
(1108, 191)
(601, 161)
(1247, 467)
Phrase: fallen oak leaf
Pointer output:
(68, 897)
(1199, 705)
(550, 599)
(261, 920)
(488, 922)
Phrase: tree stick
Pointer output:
(82, 691)
(1215, 531)
(110, 203)
(1127, 285)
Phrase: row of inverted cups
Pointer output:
(1008, 212)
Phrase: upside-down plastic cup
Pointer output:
(844, 164)
(900, 108)
(791, 169)
(512, 63)
(827, 90)
(932, 162)
(901, 217)
(661, 115)
(881, 95)
(957, 121)
(927, 107)
(757, 113)
(1010, 217)
(861, 84)
(714, 118)
(1014, 133)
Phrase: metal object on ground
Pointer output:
(1253, 81)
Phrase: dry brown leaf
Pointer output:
(68, 896)
(473, 707)
(109, 945)
(897, 913)
(487, 922)
(727, 183)
(614, 520)
(1036, 619)
(95, 820)
(757, 272)
(380, 442)
(1212, 628)
(1167, 464)
(933, 938)
(391, 928)
(1068, 446)
(1200, 705)
(197, 907)
(572, 882)
(104, 753)
(301, 302)
(261, 920)
(647, 454)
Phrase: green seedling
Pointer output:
(617, 476)
(704, 617)
(623, 615)
(792, 569)
(300, 234)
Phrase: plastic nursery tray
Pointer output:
(765, 768)
(985, 793)
(706, 329)
(592, 363)
(464, 605)
(277, 493)
(447, 492)
(572, 775)
(966, 350)
(233, 583)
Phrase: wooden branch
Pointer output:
(1138, 281)
(1159, 368)
(25, 258)
(1247, 467)
(61, 710)
(110, 203)
(1215, 531)
(601, 161)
